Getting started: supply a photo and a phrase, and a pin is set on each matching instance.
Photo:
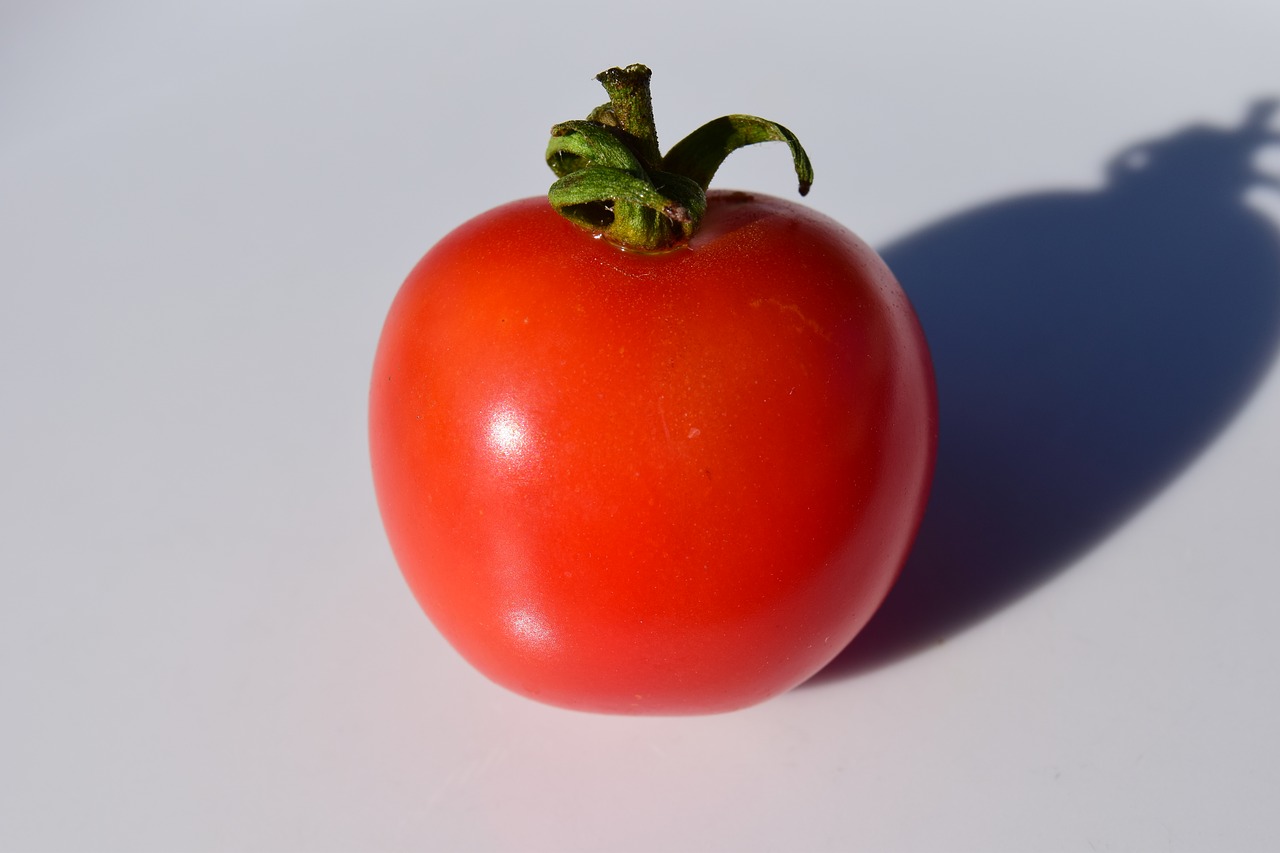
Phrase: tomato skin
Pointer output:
(651, 484)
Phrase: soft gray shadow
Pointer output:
(1087, 345)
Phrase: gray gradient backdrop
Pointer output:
(205, 210)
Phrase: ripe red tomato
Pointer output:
(653, 484)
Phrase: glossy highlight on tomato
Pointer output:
(641, 483)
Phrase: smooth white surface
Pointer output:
(204, 642)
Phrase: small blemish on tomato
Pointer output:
(796, 312)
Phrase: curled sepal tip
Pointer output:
(700, 153)
(579, 145)
(650, 213)
(613, 181)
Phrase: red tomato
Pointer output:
(652, 484)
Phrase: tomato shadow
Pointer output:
(1087, 345)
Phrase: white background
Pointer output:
(205, 211)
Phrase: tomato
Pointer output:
(651, 483)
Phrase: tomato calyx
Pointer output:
(614, 182)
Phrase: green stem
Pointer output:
(614, 182)
(632, 106)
